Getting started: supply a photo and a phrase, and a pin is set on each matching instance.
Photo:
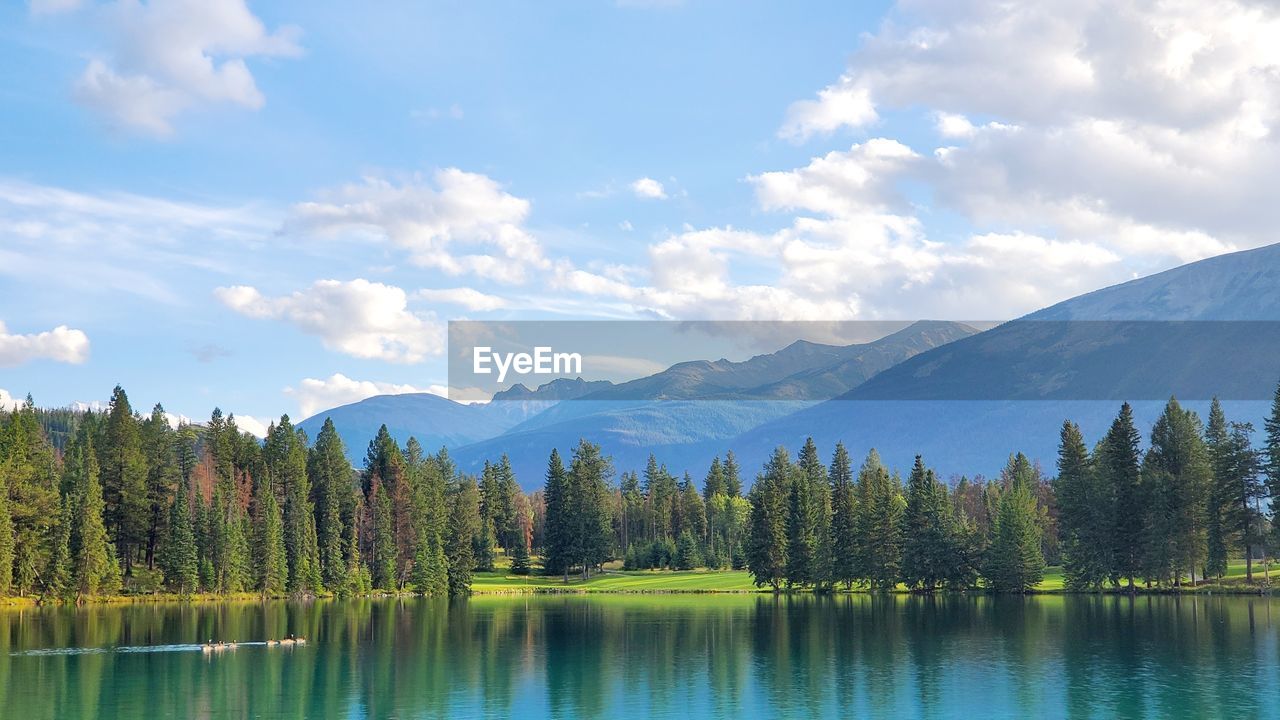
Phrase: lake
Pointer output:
(616, 656)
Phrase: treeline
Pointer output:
(1196, 497)
(1113, 516)
(130, 503)
(99, 503)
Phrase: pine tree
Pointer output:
(1271, 457)
(1176, 474)
(6, 536)
(430, 567)
(1015, 563)
(485, 545)
(687, 556)
(124, 479)
(809, 523)
(506, 520)
(383, 549)
(592, 524)
(1083, 505)
(232, 559)
(1241, 489)
(878, 525)
(632, 522)
(59, 581)
(180, 556)
(330, 476)
(732, 477)
(556, 554)
(931, 550)
(464, 518)
(1117, 463)
(31, 468)
(767, 542)
(520, 563)
(842, 539)
(271, 559)
(802, 538)
(158, 448)
(94, 566)
(1220, 530)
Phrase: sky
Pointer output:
(277, 207)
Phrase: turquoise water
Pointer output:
(650, 656)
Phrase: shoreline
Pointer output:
(241, 598)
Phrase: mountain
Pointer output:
(1195, 331)
(802, 370)
(1199, 330)
(556, 390)
(1242, 285)
(695, 408)
(439, 422)
(862, 362)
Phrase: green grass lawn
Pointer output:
(615, 580)
(619, 581)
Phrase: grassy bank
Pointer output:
(616, 580)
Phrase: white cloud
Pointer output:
(169, 56)
(836, 106)
(8, 402)
(251, 425)
(841, 182)
(431, 220)
(61, 344)
(469, 298)
(318, 395)
(1156, 120)
(649, 188)
(359, 318)
(626, 226)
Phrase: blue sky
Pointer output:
(274, 207)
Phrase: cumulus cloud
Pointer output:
(860, 179)
(315, 395)
(251, 425)
(8, 402)
(61, 344)
(359, 318)
(469, 298)
(432, 220)
(169, 56)
(1146, 127)
(648, 188)
(836, 106)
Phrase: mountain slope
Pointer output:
(675, 420)
(439, 422)
(1204, 329)
(1242, 285)
(968, 404)
(800, 371)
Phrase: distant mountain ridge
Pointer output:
(1242, 285)
(802, 370)
(965, 399)
(670, 407)
(968, 404)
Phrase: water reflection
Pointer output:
(668, 656)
